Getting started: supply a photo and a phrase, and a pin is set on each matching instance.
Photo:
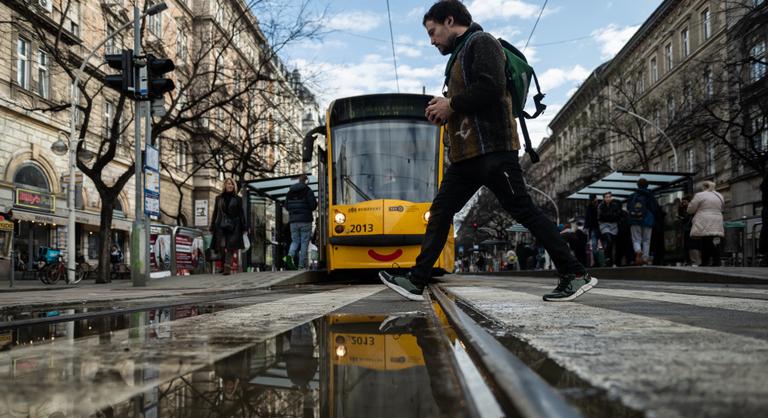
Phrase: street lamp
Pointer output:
(623, 109)
(557, 211)
(72, 143)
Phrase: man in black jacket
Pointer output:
(300, 203)
(482, 136)
(608, 216)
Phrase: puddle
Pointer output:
(340, 365)
(62, 331)
(592, 402)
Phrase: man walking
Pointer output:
(300, 202)
(482, 135)
(608, 216)
(642, 208)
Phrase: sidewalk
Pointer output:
(30, 293)
(730, 275)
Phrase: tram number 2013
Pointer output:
(362, 340)
(362, 228)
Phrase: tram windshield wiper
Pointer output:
(355, 187)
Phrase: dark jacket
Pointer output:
(646, 198)
(590, 218)
(300, 202)
(609, 212)
(228, 205)
(482, 121)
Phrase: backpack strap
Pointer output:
(540, 107)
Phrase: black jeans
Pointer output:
(710, 252)
(501, 173)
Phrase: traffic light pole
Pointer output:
(139, 230)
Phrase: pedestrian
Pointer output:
(707, 209)
(228, 224)
(300, 202)
(592, 226)
(483, 146)
(608, 217)
(642, 207)
(690, 245)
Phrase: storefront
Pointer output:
(34, 213)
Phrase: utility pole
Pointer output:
(139, 230)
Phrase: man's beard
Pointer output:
(451, 46)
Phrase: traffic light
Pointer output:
(157, 84)
(124, 81)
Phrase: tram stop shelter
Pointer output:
(622, 184)
(274, 189)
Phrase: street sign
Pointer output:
(152, 182)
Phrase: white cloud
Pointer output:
(556, 77)
(612, 38)
(505, 32)
(497, 9)
(406, 46)
(355, 21)
(374, 73)
(417, 12)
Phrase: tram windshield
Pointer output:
(385, 159)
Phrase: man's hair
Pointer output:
(607, 194)
(642, 182)
(448, 8)
(303, 178)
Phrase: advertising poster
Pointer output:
(184, 262)
(159, 251)
(201, 213)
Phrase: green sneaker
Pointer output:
(289, 264)
(403, 285)
(570, 287)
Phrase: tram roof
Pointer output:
(276, 188)
(622, 184)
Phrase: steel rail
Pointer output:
(516, 387)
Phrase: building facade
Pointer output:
(231, 89)
(674, 72)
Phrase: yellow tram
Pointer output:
(378, 170)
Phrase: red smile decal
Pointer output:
(385, 257)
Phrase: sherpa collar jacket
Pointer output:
(482, 121)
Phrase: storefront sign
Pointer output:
(35, 200)
(201, 213)
(6, 225)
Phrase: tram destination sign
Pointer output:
(379, 106)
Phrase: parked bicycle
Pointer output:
(52, 267)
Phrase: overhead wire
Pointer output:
(535, 24)
(392, 40)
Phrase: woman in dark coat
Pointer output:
(228, 224)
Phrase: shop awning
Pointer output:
(60, 218)
(621, 184)
(277, 187)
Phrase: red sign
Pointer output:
(36, 200)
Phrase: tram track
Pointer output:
(518, 390)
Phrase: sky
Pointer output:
(354, 55)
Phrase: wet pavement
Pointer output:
(660, 349)
(326, 351)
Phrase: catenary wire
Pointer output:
(392, 40)
(535, 24)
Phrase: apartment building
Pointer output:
(225, 72)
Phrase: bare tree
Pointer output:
(205, 86)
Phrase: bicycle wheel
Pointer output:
(42, 274)
(79, 274)
(55, 272)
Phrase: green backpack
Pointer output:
(519, 75)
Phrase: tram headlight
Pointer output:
(341, 350)
(427, 214)
(339, 218)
